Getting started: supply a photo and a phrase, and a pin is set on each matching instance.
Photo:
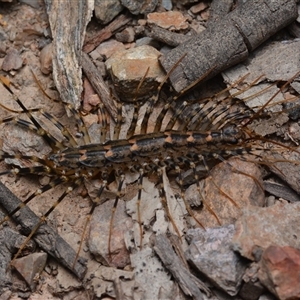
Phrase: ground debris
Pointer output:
(148, 272)
(210, 252)
(260, 227)
(280, 271)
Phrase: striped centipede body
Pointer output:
(194, 135)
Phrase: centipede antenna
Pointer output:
(41, 87)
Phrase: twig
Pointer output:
(98, 84)
(189, 284)
(105, 33)
(49, 240)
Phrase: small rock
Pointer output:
(12, 60)
(2, 48)
(90, 98)
(267, 296)
(30, 267)
(242, 190)
(99, 235)
(126, 36)
(280, 271)
(63, 282)
(167, 4)
(185, 2)
(260, 227)
(6, 295)
(195, 9)
(251, 288)
(107, 49)
(210, 252)
(154, 280)
(147, 41)
(128, 67)
(46, 59)
(107, 10)
(137, 7)
(172, 20)
(105, 279)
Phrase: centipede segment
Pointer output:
(197, 134)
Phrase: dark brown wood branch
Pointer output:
(105, 33)
(98, 84)
(189, 284)
(46, 237)
(229, 40)
(167, 37)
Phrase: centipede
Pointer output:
(185, 135)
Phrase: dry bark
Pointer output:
(228, 41)
(46, 237)
(98, 84)
(68, 21)
(189, 284)
(105, 33)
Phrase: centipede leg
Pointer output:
(89, 216)
(164, 203)
(118, 196)
(206, 205)
(138, 204)
(180, 181)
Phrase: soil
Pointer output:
(25, 28)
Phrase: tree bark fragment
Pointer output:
(228, 41)
(46, 237)
(68, 20)
(98, 84)
(189, 284)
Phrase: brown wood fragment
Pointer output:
(189, 284)
(68, 21)
(98, 84)
(105, 33)
(167, 37)
(228, 41)
(281, 191)
(46, 237)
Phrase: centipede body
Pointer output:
(175, 148)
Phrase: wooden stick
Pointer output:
(229, 40)
(46, 237)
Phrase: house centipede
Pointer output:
(207, 131)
